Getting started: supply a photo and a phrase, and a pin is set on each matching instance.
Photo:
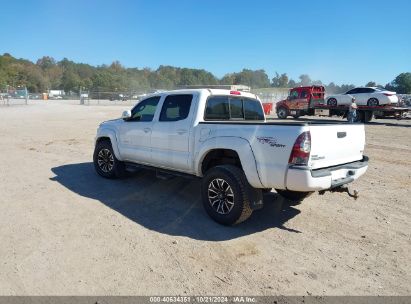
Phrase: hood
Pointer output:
(111, 122)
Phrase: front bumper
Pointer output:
(301, 178)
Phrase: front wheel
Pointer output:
(332, 102)
(105, 162)
(226, 195)
(282, 113)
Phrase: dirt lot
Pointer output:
(66, 231)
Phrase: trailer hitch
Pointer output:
(344, 188)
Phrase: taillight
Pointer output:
(235, 93)
(301, 149)
(388, 94)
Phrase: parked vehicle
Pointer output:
(120, 97)
(367, 96)
(222, 137)
(299, 101)
(309, 100)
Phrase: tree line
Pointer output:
(47, 73)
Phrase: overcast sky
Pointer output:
(341, 41)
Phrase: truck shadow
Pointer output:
(171, 206)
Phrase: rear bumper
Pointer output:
(301, 178)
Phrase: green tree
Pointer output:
(305, 80)
(280, 81)
(371, 84)
(401, 84)
(291, 83)
(70, 81)
(46, 62)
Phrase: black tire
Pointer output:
(105, 162)
(293, 196)
(368, 115)
(266, 190)
(360, 116)
(373, 102)
(282, 113)
(226, 195)
(332, 102)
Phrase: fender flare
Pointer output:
(281, 104)
(111, 134)
(241, 146)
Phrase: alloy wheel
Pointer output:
(105, 160)
(220, 196)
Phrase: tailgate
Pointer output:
(333, 145)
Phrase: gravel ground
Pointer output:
(66, 231)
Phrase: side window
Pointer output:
(353, 91)
(368, 90)
(304, 94)
(217, 108)
(293, 94)
(144, 110)
(176, 107)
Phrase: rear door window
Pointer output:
(353, 91)
(176, 107)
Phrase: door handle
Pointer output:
(146, 130)
(181, 131)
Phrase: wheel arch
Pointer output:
(228, 150)
(108, 134)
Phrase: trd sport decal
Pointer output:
(271, 141)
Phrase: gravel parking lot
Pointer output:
(66, 231)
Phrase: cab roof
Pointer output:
(208, 91)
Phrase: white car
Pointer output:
(222, 137)
(366, 96)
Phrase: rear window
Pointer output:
(233, 108)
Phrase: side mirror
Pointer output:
(126, 115)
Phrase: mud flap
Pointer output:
(256, 198)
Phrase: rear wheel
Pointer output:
(368, 116)
(282, 113)
(105, 162)
(226, 195)
(332, 102)
(373, 102)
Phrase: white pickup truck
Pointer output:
(222, 137)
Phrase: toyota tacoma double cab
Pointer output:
(222, 137)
